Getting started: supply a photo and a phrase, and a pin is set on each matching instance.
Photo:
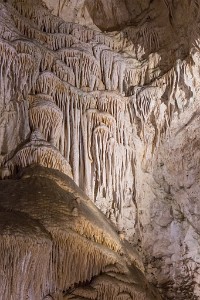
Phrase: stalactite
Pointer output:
(113, 75)
(59, 40)
(18, 71)
(26, 29)
(108, 110)
(75, 79)
(85, 67)
(44, 20)
(8, 56)
(47, 117)
(65, 269)
(24, 247)
(38, 151)
(94, 102)
(134, 76)
(107, 58)
(146, 35)
(63, 72)
(79, 68)
(7, 29)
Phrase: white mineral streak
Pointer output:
(118, 112)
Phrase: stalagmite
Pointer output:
(111, 108)
(40, 152)
(68, 241)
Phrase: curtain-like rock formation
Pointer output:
(118, 112)
(56, 244)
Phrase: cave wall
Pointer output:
(117, 104)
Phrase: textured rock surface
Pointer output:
(57, 245)
(118, 111)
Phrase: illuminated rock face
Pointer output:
(118, 112)
(56, 244)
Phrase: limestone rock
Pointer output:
(115, 105)
(50, 253)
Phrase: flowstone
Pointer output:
(118, 112)
(56, 244)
